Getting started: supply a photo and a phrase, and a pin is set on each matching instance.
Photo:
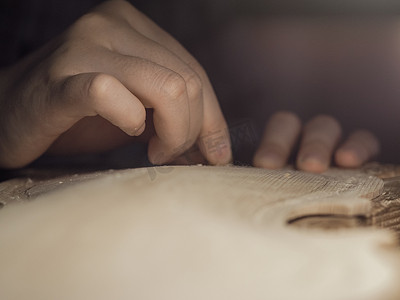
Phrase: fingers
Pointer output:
(213, 124)
(90, 94)
(205, 116)
(319, 140)
(166, 92)
(278, 140)
(190, 157)
(320, 137)
(187, 80)
(157, 70)
(357, 149)
(214, 141)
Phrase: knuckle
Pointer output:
(196, 66)
(116, 7)
(172, 86)
(93, 18)
(194, 85)
(123, 5)
(91, 22)
(100, 85)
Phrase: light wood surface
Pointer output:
(198, 233)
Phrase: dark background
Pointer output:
(309, 56)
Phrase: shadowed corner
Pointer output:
(386, 207)
(244, 141)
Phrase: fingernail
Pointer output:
(223, 156)
(220, 154)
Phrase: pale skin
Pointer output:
(320, 141)
(87, 91)
(92, 89)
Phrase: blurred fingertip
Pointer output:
(313, 164)
(268, 160)
(348, 158)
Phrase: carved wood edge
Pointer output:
(34, 183)
(386, 207)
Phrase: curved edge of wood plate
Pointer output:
(239, 242)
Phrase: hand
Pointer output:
(320, 137)
(88, 89)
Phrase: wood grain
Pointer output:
(197, 232)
